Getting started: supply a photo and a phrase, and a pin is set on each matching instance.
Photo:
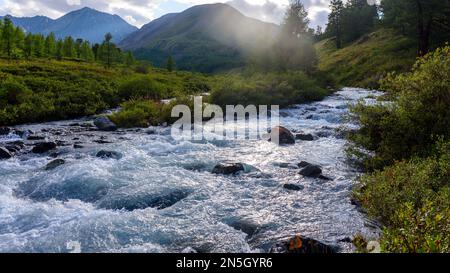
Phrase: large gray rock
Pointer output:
(43, 147)
(311, 171)
(105, 124)
(228, 168)
(302, 245)
(282, 136)
(4, 154)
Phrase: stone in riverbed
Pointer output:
(293, 187)
(35, 138)
(54, 164)
(305, 137)
(302, 245)
(311, 171)
(4, 154)
(283, 135)
(158, 201)
(228, 168)
(43, 147)
(303, 164)
(109, 154)
(105, 124)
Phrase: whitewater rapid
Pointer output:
(77, 203)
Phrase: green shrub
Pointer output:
(142, 87)
(137, 113)
(418, 115)
(283, 89)
(412, 198)
(13, 92)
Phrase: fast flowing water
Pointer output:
(162, 197)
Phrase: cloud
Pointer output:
(139, 12)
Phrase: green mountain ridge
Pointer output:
(205, 38)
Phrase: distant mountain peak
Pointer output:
(85, 23)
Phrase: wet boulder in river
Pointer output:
(109, 154)
(303, 164)
(282, 136)
(311, 171)
(302, 245)
(105, 124)
(4, 154)
(228, 168)
(43, 147)
(304, 137)
(54, 164)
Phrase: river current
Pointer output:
(103, 205)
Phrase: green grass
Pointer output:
(366, 61)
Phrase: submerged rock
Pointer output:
(105, 124)
(4, 153)
(142, 201)
(246, 226)
(283, 135)
(54, 164)
(304, 137)
(293, 187)
(109, 154)
(43, 147)
(303, 245)
(36, 138)
(228, 168)
(42, 190)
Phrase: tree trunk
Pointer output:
(424, 30)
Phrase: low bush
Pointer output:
(283, 89)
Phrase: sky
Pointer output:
(140, 12)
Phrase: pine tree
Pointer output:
(335, 21)
(108, 50)
(68, 47)
(50, 45)
(78, 44)
(39, 45)
(8, 37)
(59, 53)
(427, 21)
(295, 49)
(28, 46)
(86, 51)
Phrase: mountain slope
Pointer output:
(86, 23)
(367, 60)
(204, 38)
